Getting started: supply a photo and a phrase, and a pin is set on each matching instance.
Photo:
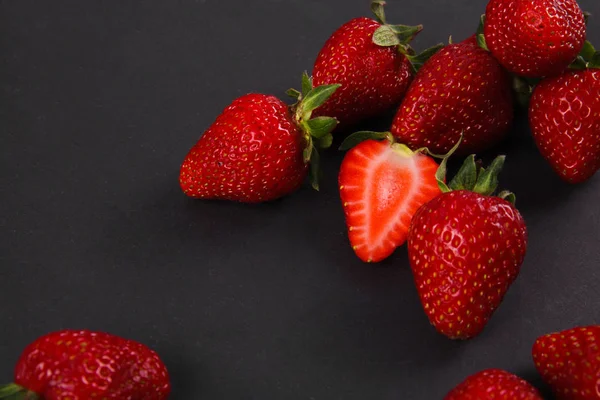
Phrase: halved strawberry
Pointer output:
(382, 184)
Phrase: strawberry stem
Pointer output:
(12, 391)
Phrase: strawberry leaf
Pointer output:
(325, 141)
(508, 196)
(595, 61)
(406, 33)
(306, 84)
(440, 176)
(487, 182)
(481, 26)
(13, 391)
(320, 126)
(314, 99)
(586, 16)
(418, 60)
(377, 9)
(314, 171)
(293, 93)
(588, 51)
(466, 176)
(357, 137)
(385, 36)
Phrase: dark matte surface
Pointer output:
(101, 100)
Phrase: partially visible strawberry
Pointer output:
(494, 384)
(373, 63)
(564, 115)
(569, 361)
(461, 90)
(382, 184)
(534, 38)
(466, 248)
(259, 149)
(83, 365)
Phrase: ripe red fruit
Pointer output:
(371, 60)
(569, 361)
(259, 149)
(382, 184)
(494, 384)
(534, 38)
(82, 365)
(466, 248)
(461, 90)
(564, 115)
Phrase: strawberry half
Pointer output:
(259, 149)
(466, 248)
(564, 115)
(373, 63)
(382, 184)
(569, 361)
(494, 384)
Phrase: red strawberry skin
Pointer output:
(381, 187)
(564, 115)
(465, 250)
(251, 153)
(82, 365)
(569, 361)
(534, 38)
(460, 89)
(373, 78)
(494, 384)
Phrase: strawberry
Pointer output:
(382, 184)
(534, 38)
(466, 248)
(372, 62)
(564, 115)
(494, 384)
(82, 365)
(259, 149)
(569, 361)
(461, 90)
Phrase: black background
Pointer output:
(101, 100)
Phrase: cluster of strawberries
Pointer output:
(466, 243)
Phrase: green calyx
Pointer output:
(523, 89)
(473, 177)
(317, 131)
(12, 391)
(588, 57)
(480, 36)
(399, 36)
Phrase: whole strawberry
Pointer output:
(259, 149)
(83, 365)
(569, 361)
(461, 90)
(534, 38)
(493, 384)
(465, 249)
(564, 115)
(382, 184)
(373, 63)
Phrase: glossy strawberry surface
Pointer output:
(373, 78)
(564, 115)
(84, 365)
(494, 384)
(534, 38)
(461, 89)
(569, 361)
(465, 251)
(251, 153)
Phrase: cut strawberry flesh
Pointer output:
(381, 187)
